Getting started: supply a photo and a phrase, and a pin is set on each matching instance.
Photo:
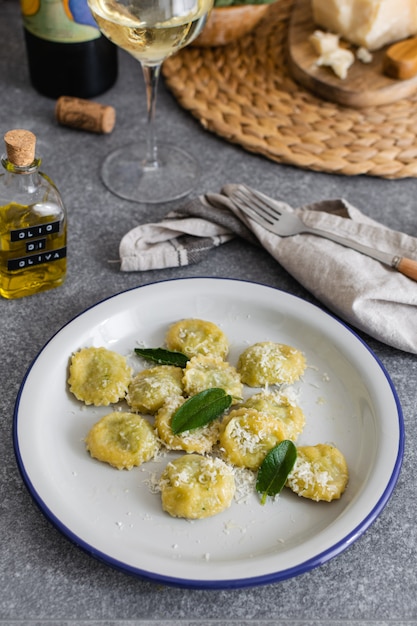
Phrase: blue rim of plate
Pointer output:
(270, 578)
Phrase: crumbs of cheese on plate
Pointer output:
(363, 55)
(331, 54)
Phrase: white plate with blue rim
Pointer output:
(116, 516)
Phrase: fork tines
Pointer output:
(254, 200)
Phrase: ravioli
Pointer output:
(205, 372)
(199, 440)
(320, 473)
(195, 336)
(203, 481)
(270, 363)
(195, 487)
(151, 387)
(124, 440)
(279, 406)
(99, 376)
(247, 436)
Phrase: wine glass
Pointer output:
(151, 31)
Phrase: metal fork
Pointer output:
(270, 214)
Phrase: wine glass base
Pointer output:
(126, 174)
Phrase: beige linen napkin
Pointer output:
(364, 292)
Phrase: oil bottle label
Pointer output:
(29, 261)
(32, 232)
(34, 240)
(62, 21)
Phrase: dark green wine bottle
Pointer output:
(67, 54)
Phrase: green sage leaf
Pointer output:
(275, 468)
(162, 356)
(200, 409)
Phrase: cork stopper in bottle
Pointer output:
(85, 114)
(20, 147)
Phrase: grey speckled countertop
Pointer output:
(45, 579)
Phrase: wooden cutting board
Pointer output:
(365, 85)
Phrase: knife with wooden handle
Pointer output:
(408, 267)
(400, 60)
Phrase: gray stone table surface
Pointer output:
(44, 578)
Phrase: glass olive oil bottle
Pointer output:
(33, 223)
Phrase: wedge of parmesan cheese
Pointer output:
(368, 23)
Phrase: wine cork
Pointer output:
(20, 147)
(85, 114)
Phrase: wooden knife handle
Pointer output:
(400, 60)
(408, 267)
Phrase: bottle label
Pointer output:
(35, 231)
(62, 21)
(25, 262)
(35, 239)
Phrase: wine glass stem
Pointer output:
(151, 75)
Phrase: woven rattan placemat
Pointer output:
(244, 93)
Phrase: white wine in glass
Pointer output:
(150, 30)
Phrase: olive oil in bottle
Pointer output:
(33, 223)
